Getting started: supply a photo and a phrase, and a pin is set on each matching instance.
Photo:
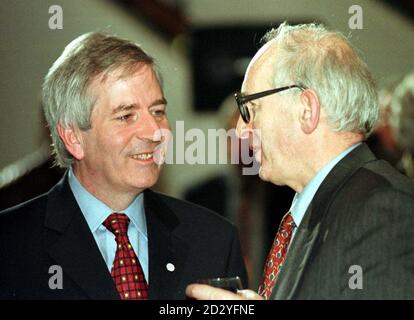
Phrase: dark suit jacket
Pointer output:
(51, 230)
(363, 215)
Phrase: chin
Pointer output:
(146, 183)
(262, 174)
(142, 182)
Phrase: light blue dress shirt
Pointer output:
(96, 212)
(302, 200)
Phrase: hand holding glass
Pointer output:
(232, 284)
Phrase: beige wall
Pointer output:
(28, 47)
(386, 40)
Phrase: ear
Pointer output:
(72, 139)
(309, 117)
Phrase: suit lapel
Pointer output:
(70, 243)
(307, 234)
(167, 251)
(299, 252)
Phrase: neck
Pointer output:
(116, 200)
(317, 157)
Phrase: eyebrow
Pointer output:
(158, 102)
(126, 107)
(253, 103)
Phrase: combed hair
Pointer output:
(325, 61)
(65, 91)
(402, 113)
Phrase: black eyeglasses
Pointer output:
(242, 100)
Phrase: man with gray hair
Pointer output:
(349, 231)
(101, 233)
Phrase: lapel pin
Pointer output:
(170, 267)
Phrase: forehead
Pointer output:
(140, 87)
(139, 78)
(261, 68)
(144, 73)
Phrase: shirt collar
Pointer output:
(302, 200)
(95, 211)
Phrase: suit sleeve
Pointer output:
(235, 265)
(382, 244)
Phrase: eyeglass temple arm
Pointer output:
(258, 95)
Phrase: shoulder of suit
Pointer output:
(24, 221)
(376, 188)
(374, 184)
(380, 175)
(25, 210)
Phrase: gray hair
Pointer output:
(402, 113)
(65, 91)
(326, 62)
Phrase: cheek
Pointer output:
(117, 139)
(268, 135)
(107, 147)
(274, 142)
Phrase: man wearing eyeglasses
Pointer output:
(349, 231)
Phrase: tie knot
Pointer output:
(117, 223)
(287, 224)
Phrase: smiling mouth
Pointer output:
(143, 156)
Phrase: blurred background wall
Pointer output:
(28, 47)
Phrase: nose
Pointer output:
(150, 129)
(243, 129)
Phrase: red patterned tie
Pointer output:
(126, 270)
(276, 256)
